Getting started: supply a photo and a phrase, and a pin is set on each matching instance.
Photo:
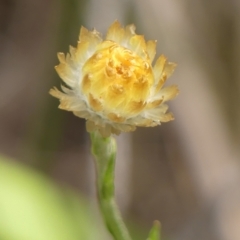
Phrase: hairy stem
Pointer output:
(104, 151)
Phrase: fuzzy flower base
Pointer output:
(112, 83)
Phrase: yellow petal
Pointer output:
(72, 51)
(168, 93)
(141, 121)
(92, 37)
(68, 102)
(66, 74)
(82, 114)
(154, 103)
(138, 45)
(140, 90)
(158, 114)
(169, 68)
(158, 67)
(95, 104)
(71, 105)
(56, 93)
(162, 71)
(129, 32)
(90, 126)
(105, 131)
(166, 117)
(160, 83)
(115, 131)
(115, 32)
(86, 84)
(125, 127)
(151, 49)
(61, 57)
(134, 107)
(81, 52)
(115, 118)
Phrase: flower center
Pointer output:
(116, 80)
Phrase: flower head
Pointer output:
(112, 83)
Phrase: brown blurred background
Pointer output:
(185, 173)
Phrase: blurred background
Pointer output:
(185, 173)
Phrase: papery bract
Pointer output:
(112, 83)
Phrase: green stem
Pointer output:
(104, 151)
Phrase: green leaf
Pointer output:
(155, 231)
(33, 208)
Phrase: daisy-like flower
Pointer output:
(111, 82)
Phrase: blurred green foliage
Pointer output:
(33, 208)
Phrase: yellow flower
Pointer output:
(112, 83)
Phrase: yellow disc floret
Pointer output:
(117, 82)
